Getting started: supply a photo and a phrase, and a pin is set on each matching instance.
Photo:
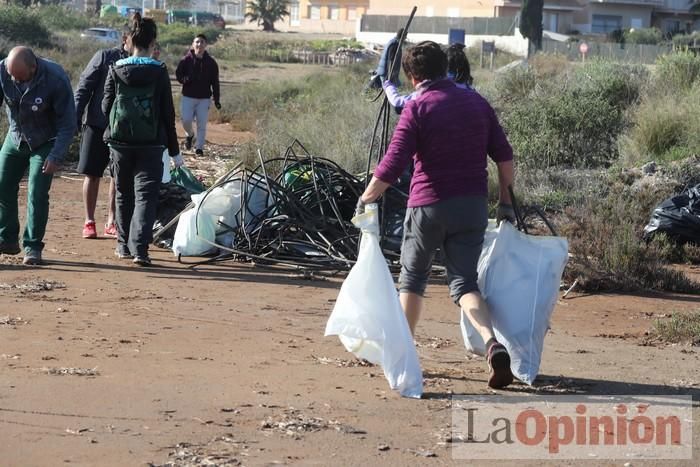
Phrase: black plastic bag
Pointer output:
(678, 217)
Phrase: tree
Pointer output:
(531, 22)
(266, 12)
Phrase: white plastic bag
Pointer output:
(194, 233)
(519, 278)
(368, 318)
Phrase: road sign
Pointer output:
(583, 48)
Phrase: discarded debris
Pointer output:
(10, 321)
(222, 451)
(294, 423)
(293, 212)
(71, 371)
(421, 453)
(34, 286)
(339, 362)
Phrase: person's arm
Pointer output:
(392, 94)
(216, 91)
(63, 107)
(109, 94)
(501, 153)
(181, 72)
(89, 80)
(168, 112)
(404, 143)
(506, 177)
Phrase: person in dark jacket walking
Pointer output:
(198, 73)
(94, 153)
(139, 104)
(41, 117)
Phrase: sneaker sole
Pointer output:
(500, 376)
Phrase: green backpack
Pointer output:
(134, 115)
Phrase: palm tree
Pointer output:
(266, 12)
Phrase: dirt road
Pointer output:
(170, 363)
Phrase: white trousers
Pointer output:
(195, 109)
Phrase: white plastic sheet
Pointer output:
(519, 278)
(368, 317)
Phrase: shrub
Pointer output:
(665, 127)
(20, 26)
(573, 119)
(179, 34)
(60, 18)
(678, 70)
(607, 252)
(643, 36)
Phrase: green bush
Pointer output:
(179, 34)
(665, 127)
(678, 70)
(20, 26)
(572, 119)
(643, 36)
(60, 18)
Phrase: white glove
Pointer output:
(178, 161)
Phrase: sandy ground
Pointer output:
(209, 360)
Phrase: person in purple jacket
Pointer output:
(448, 133)
(198, 73)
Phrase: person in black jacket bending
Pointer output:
(198, 73)
(138, 102)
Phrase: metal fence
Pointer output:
(439, 25)
(635, 53)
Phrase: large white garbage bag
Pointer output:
(368, 317)
(519, 277)
(195, 233)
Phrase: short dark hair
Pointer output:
(425, 60)
(201, 36)
(143, 31)
(458, 64)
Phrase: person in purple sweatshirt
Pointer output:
(448, 133)
(198, 73)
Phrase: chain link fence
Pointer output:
(633, 53)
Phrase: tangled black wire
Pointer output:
(300, 218)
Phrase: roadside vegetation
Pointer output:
(580, 132)
(678, 329)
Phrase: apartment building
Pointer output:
(562, 16)
(323, 16)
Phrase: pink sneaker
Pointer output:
(110, 230)
(89, 230)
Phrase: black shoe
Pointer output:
(9, 248)
(500, 375)
(142, 260)
(188, 142)
(199, 152)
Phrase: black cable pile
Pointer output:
(300, 217)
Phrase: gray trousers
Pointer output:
(195, 109)
(456, 226)
(137, 173)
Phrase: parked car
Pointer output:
(103, 35)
